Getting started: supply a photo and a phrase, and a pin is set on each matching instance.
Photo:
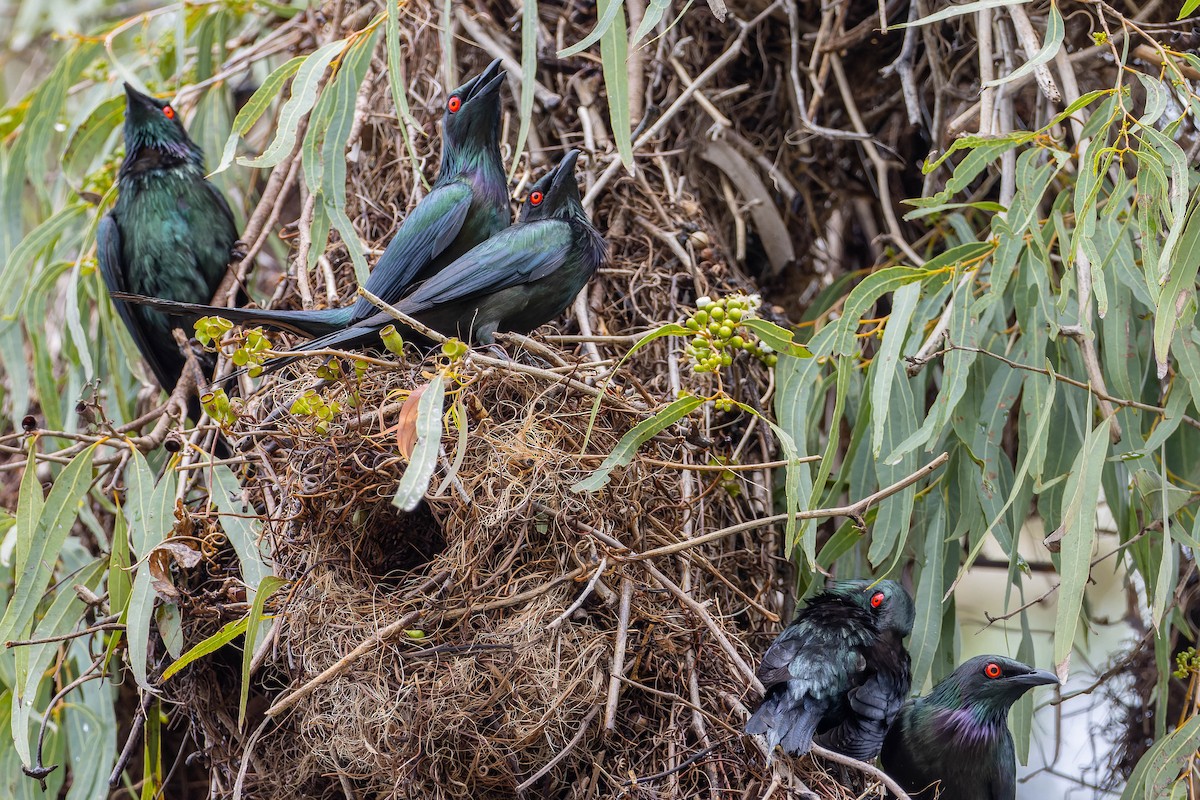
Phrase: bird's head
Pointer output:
(886, 601)
(990, 683)
(153, 124)
(471, 122)
(555, 194)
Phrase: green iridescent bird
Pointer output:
(521, 278)
(839, 672)
(467, 205)
(954, 742)
(170, 234)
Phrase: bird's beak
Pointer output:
(565, 171)
(485, 83)
(491, 80)
(133, 96)
(1038, 677)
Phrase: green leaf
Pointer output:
(240, 524)
(1189, 6)
(88, 140)
(54, 523)
(30, 502)
(258, 103)
(1079, 533)
(149, 504)
(415, 480)
(1177, 300)
(927, 627)
(779, 339)
(304, 96)
(334, 132)
(19, 267)
(227, 634)
(864, 296)
(119, 584)
(639, 434)
(670, 329)
(653, 13)
(529, 63)
(1162, 763)
(396, 81)
(608, 18)
(1051, 44)
(614, 53)
(266, 588)
(883, 367)
(956, 11)
(32, 661)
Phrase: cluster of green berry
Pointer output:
(719, 333)
(218, 406)
(1187, 663)
(254, 346)
(317, 408)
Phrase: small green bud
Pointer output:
(725, 331)
(701, 318)
(717, 313)
(392, 341)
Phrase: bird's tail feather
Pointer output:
(306, 323)
(783, 723)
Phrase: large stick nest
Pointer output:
(489, 687)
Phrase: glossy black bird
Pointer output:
(954, 742)
(821, 677)
(467, 205)
(519, 279)
(170, 234)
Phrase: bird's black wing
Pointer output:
(428, 230)
(517, 255)
(108, 254)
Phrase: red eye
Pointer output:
(536, 198)
(992, 670)
(454, 105)
(168, 112)
(877, 600)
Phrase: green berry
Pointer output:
(725, 331)
(726, 359)
(717, 313)
(736, 342)
(701, 318)
(692, 324)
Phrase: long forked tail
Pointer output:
(305, 323)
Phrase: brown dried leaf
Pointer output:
(159, 564)
(406, 425)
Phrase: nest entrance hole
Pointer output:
(389, 544)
